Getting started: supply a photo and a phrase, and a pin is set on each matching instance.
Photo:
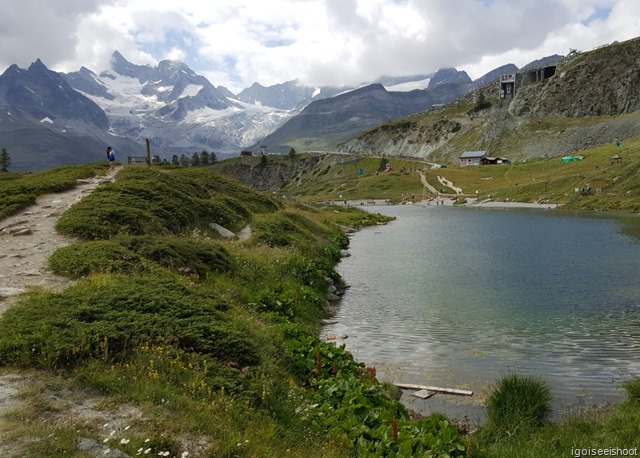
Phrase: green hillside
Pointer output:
(602, 183)
(216, 339)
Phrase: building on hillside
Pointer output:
(510, 82)
(494, 160)
(507, 85)
(472, 157)
(246, 153)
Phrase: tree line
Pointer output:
(197, 159)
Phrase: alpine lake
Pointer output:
(459, 297)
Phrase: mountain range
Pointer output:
(49, 118)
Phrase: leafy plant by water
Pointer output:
(357, 412)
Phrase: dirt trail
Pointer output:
(426, 184)
(449, 184)
(28, 238)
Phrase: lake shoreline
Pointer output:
(447, 202)
(362, 328)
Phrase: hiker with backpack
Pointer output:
(111, 156)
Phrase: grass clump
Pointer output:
(18, 191)
(151, 202)
(282, 229)
(187, 256)
(632, 387)
(519, 400)
(108, 317)
(101, 256)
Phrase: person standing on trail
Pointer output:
(111, 156)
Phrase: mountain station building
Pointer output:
(480, 158)
(472, 157)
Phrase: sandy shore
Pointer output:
(494, 204)
(446, 202)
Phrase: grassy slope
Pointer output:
(191, 328)
(613, 186)
(185, 327)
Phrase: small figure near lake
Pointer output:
(111, 156)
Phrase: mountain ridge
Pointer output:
(182, 112)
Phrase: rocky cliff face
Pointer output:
(592, 99)
(274, 176)
(603, 82)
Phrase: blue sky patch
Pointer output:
(600, 13)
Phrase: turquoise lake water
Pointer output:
(457, 297)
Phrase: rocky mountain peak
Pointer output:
(123, 67)
(449, 76)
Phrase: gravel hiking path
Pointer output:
(28, 238)
(425, 183)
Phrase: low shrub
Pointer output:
(281, 229)
(12, 204)
(519, 400)
(101, 215)
(185, 255)
(311, 359)
(19, 190)
(108, 317)
(150, 202)
(82, 259)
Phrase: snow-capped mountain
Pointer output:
(45, 122)
(70, 118)
(182, 111)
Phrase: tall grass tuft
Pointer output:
(519, 400)
(632, 387)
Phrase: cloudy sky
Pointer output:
(319, 42)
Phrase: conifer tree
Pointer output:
(5, 160)
(204, 158)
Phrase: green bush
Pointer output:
(519, 400)
(352, 408)
(83, 259)
(19, 190)
(220, 185)
(184, 255)
(12, 204)
(282, 229)
(149, 201)
(108, 317)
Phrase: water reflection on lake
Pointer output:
(457, 297)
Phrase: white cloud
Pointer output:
(320, 42)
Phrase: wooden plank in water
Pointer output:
(410, 386)
(424, 394)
